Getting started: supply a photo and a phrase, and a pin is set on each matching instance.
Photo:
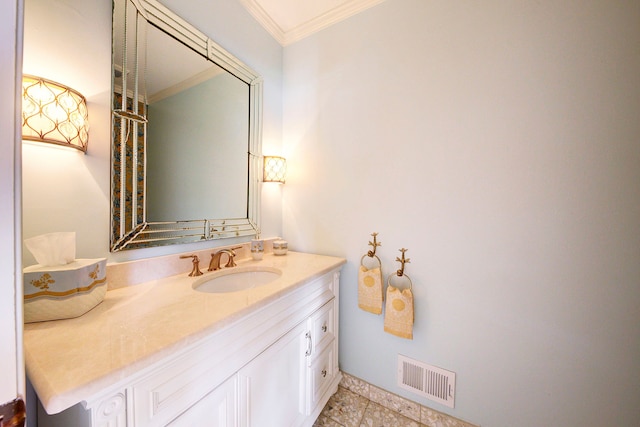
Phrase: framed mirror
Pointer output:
(186, 118)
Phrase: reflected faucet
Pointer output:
(215, 259)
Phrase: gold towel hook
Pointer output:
(402, 262)
(372, 254)
(400, 273)
(375, 244)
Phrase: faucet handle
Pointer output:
(195, 271)
(232, 254)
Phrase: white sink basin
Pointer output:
(236, 279)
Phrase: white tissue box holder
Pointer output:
(63, 291)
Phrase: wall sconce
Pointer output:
(275, 169)
(54, 113)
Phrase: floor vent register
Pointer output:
(436, 384)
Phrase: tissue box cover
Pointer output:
(63, 291)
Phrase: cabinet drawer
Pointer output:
(321, 374)
(322, 327)
(161, 397)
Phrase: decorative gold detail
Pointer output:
(43, 282)
(398, 304)
(400, 272)
(402, 261)
(94, 274)
(369, 281)
(64, 293)
(375, 244)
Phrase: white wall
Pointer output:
(499, 142)
(70, 42)
(12, 383)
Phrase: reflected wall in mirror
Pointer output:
(186, 137)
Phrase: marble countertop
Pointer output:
(71, 360)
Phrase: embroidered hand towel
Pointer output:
(370, 295)
(398, 316)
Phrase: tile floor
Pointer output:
(360, 404)
(348, 409)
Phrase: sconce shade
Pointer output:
(275, 169)
(54, 113)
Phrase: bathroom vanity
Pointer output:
(162, 353)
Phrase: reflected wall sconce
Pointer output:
(54, 113)
(275, 169)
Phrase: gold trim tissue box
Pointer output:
(63, 291)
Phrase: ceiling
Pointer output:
(291, 20)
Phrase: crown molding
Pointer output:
(305, 29)
(264, 19)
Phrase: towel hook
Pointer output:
(400, 273)
(375, 244)
(402, 262)
(372, 254)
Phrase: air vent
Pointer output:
(436, 384)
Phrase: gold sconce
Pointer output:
(54, 113)
(275, 169)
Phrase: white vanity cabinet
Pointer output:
(289, 384)
(275, 366)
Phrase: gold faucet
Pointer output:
(195, 271)
(215, 259)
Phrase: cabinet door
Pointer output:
(216, 409)
(272, 386)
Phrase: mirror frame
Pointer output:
(143, 234)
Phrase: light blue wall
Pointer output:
(499, 142)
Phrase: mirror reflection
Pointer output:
(186, 136)
(197, 135)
